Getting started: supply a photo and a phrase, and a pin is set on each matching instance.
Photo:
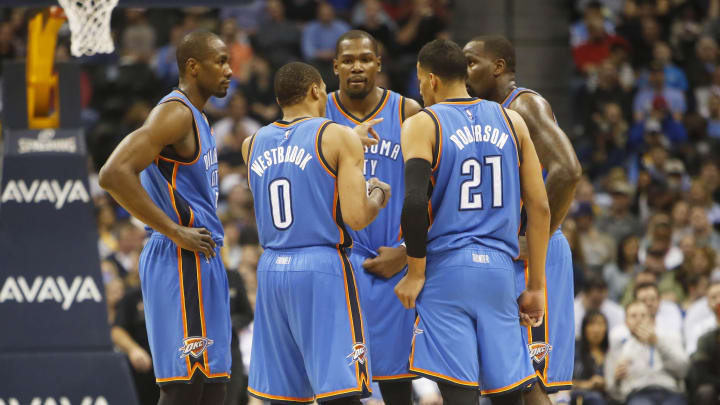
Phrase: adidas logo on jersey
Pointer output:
(45, 191)
(60, 401)
(539, 350)
(194, 346)
(45, 289)
(358, 354)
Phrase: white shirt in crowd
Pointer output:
(668, 320)
(699, 319)
(613, 312)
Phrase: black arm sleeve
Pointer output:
(414, 219)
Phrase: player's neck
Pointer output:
(296, 111)
(361, 107)
(194, 95)
(505, 86)
(453, 91)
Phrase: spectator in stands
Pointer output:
(128, 334)
(589, 54)
(713, 121)
(665, 315)
(658, 101)
(710, 177)
(166, 67)
(618, 222)
(318, 41)
(701, 67)
(370, 17)
(248, 15)
(682, 283)
(569, 229)
(704, 375)
(259, 89)
(674, 76)
(657, 253)
(579, 30)
(618, 274)
(680, 219)
(595, 297)
(590, 352)
(105, 218)
(598, 248)
(700, 196)
(130, 243)
(701, 318)
(703, 231)
(241, 314)
(278, 40)
(648, 366)
(610, 130)
(237, 119)
(238, 45)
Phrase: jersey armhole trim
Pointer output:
(438, 139)
(198, 143)
(318, 148)
(250, 150)
(402, 109)
(512, 130)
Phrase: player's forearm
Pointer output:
(125, 187)
(560, 185)
(374, 204)
(122, 339)
(537, 239)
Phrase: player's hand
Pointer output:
(410, 286)
(522, 248)
(194, 239)
(621, 371)
(376, 183)
(140, 359)
(597, 382)
(531, 304)
(368, 136)
(389, 261)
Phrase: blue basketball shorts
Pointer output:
(552, 344)
(467, 329)
(309, 338)
(389, 324)
(187, 312)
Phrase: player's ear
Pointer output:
(379, 62)
(315, 91)
(335, 66)
(500, 66)
(192, 66)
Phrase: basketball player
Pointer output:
(475, 160)
(305, 173)
(377, 255)
(491, 71)
(165, 174)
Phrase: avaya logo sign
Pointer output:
(45, 191)
(60, 401)
(55, 289)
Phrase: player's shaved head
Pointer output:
(444, 59)
(292, 82)
(195, 45)
(498, 47)
(356, 34)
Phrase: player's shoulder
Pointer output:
(530, 104)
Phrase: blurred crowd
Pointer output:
(644, 226)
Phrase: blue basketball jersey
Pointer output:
(296, 199)
(383, 161)
(475, 179)
(187, 190)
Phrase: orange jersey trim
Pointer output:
(509, 387)
(320, 156)
(342, 110)
(333, 393)
(197, 135)
(393, 377)
(268, 396)
(278, 124)
(440, 139)
(182, 305)
(513, 135)
(198, 270)
(446, 377)
(461, 102)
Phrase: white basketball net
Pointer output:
(90, 25)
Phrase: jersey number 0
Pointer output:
(280, 204)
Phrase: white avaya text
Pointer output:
(45, 190)
(50, 289)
